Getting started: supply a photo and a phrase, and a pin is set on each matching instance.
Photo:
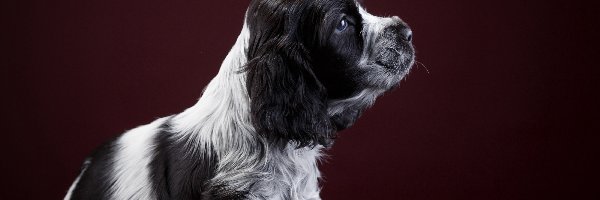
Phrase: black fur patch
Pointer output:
(95, 183)
(177, 171)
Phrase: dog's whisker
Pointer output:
(420, 64)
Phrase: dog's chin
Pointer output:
(395, 69)
(388, 74)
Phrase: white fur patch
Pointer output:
(223, 110)
(131, 173)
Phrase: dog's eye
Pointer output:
(343, 25)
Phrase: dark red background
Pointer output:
(506, 107)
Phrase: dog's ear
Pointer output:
(288, 103)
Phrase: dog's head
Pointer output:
(315, 65)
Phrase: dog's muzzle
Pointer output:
(395, 50)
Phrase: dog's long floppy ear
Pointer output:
(288, 103)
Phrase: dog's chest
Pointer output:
(288, 174)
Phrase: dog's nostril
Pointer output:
(399, 32)
(406, 34)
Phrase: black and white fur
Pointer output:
(300, 71)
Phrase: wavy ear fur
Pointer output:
(288, 103)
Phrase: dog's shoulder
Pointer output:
(180, 170)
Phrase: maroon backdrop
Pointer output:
(504, 105)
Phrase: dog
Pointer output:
(299, 72)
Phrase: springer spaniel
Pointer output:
(300, 71)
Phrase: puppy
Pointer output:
(300, 71)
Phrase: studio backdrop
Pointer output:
(497, 107)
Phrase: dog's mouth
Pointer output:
(395, 60)
(391, 67)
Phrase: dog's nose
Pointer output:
(401, 29)
(401, 32)
(406, 34)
